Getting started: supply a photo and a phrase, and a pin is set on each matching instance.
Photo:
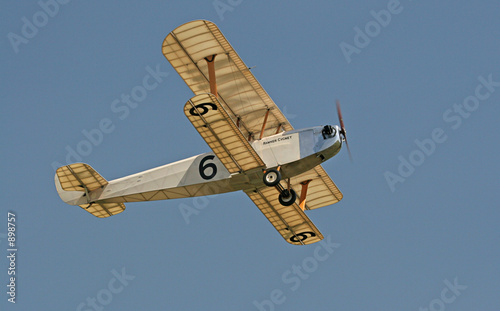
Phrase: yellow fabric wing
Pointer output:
(321, 191)
(290, 221)
(222, 135)
(238, 90)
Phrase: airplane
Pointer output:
(254, 147)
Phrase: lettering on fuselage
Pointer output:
(278, 139)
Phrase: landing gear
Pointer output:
(272, 177)
(287, 197)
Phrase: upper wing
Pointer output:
(321, 191)
(216, 127)
(238, 91)
(290, 221)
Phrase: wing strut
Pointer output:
(211, 74)
(303, 194)
(278, 129)
(264, 124)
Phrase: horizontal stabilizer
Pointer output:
(78, 176)
(103, 210)
(76, 184)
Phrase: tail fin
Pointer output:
(77, 183)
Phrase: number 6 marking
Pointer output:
(299, 237)
(202, 168)
(193, 111)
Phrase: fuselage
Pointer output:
(298, 151)
(295, 152)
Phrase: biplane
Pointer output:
(254, 147)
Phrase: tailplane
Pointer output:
(78, 184)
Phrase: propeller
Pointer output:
(342, 129)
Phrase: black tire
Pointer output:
(287, 197)
(272, 177)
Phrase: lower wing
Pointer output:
(290, 221)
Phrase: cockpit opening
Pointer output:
(328, 131)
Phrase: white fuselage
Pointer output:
(295, 151)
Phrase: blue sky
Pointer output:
(417, 228)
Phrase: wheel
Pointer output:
(272, 177)
(287, 197)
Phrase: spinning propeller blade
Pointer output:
(342, 130)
